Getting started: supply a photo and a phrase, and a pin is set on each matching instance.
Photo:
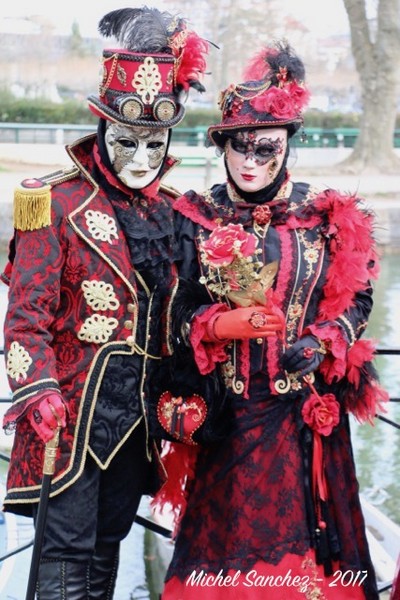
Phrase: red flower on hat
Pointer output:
(237, 105)
(285, 102)
(321, 413)
(299, 94)
(276, 101)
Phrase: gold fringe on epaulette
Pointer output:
(32, 208)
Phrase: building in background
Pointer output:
(37, 62)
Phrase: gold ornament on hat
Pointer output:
(121, 75)
(147, 80)
(164, 110)
(108, 75)
(131, 108)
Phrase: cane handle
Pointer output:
(50, 453)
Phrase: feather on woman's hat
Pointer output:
(157, 60)
(273, 95)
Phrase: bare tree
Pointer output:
(376, 51)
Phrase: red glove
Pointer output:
(47, 414)
(243, 324)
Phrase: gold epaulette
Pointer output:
(32, 199)
(170, 191)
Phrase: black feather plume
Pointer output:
(139, 29)
(286, 57)
(267, 63)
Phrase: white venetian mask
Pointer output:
(136, 153)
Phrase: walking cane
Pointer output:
(48, 470)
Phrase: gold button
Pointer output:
(128, 324)
(130, 340)
(131, 308)
(260, 340)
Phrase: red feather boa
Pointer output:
(353, 252)
(354, 263)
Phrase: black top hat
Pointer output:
(143, 80)
(273, 95)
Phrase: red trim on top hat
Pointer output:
(121, 67)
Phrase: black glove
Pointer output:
(305, 355)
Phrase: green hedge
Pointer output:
(331, 119)
(74, 112)
(14, 110)
(326, 120)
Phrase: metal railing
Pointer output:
(66, 133)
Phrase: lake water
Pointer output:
(376, 448)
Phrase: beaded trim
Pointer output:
(258, 90)
(348, 328)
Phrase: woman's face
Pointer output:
(255, 156)
(136, 153)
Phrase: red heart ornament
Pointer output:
(181, 417)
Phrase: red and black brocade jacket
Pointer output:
(80, 321)
(323, 243)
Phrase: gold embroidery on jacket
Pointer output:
(100, 295)
(310, 251)
(18, 362)
(97, 329)
(101, 226)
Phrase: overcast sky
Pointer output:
(324, 16)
